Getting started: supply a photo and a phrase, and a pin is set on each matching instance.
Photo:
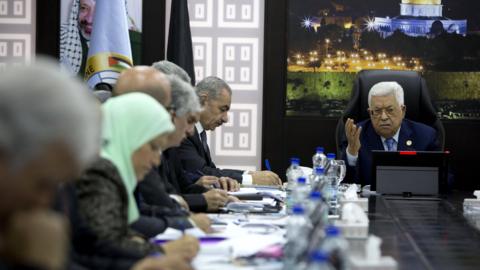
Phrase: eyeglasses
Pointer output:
(389, 111)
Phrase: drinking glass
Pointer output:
(342, 170)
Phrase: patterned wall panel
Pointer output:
(17, 32)
(227, 40)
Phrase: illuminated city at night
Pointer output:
(330, 41)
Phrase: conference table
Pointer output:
(419, 233)
(426, 233)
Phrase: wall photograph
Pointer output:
(330, 41)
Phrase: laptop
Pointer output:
(410, 173)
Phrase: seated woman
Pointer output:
(135, 128)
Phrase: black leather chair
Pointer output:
(416, 99)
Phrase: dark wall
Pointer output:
(48, 28)
(284, 136)
(153, 32)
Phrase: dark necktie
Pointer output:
(389, 143)
(203, 137)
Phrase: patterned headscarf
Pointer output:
(70, 44)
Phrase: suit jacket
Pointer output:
(196, 160)
(181, 184)
(422, 138)
(158, 210)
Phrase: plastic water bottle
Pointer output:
(314, 199)
(317, 180)
(293, 173)
(317, 209)
(319, 260)
(336, 246)
(301, 192)
(331, 178)
(330, 161)
(298, 230)
(319, 160)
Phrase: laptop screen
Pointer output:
(422, 173)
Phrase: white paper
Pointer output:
(174, 234)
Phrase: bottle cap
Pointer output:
(302, 180)
(298, 210)
(332, 231)
(319, 170)
(316, 195)
(319, 256)
(331, 155)
(295, 160)
(320, 149)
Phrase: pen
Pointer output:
(200, 173)
(267, 164)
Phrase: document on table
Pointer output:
(253, 190)
(174, 234)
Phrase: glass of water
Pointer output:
(342, 170)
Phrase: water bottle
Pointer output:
(319, 160)
(317, 180)
(330, 161)
(314, 199)
(331, 178)
(301, 192)
(293, 173)
(317, 209)
(298, 229)
(319, 260)
(336, 246)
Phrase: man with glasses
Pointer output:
(385, 130)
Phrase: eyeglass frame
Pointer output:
(389, 111)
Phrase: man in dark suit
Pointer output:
(385, 130)
(215, 96)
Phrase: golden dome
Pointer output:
(422, 2)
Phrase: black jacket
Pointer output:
(103, 205)
(87, 250)
(196, 160)
(158, 211)
(180, 183)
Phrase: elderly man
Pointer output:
(215, 96)
(207, 181)
(147, 80)
(385, 130)
(50, 132)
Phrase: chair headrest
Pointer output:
(416, 96)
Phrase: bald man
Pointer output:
(147, 80)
